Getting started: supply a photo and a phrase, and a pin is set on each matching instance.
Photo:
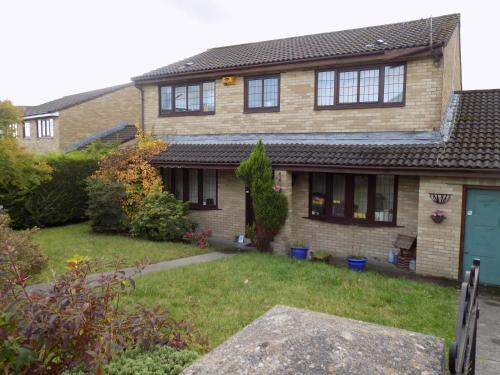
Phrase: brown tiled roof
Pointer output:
(473, 145)
(317, 46)
(71, 100)
(118, 134)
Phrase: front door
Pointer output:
(482, 233)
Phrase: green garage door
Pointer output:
(482, 233)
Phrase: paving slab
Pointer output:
(286, 341)
(155, 267)
(488, 335)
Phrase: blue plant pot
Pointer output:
(299, 252)
(357, 264)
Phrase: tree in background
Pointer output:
(270, 205)
(131, 167)
(9, 115)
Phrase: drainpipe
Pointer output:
(142, 107)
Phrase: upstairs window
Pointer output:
(197, 186)
(13, 130)
(45, 128)
(187, 99)
(262, 94)
(27, 130)
(353, 198)
(360, 87)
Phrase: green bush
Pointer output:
(18, 248)
(104, 205)
(161, 218)
(20, 172)
(270, 205)
(159, 360)
(60, 200)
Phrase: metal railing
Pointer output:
(462, 359)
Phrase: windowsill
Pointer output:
(358, 106)
(195, 207)
(45, 138)
(179, 114)
(357, 222)
(261, 110)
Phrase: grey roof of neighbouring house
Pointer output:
(317, 46)
(473, 144)
(71, 100)
(118, 134)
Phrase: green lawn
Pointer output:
(61, 243)
(221, 297)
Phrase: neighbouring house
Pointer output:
(60, 124)
(368, 131)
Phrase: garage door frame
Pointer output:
(465, 189)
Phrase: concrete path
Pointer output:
(156, 267)
(488, 335)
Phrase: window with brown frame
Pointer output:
(353, 198)
(382, 85)
(262, 94)
(197, 186)
(187, 99)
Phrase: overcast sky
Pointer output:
(53, 48)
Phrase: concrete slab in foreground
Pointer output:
(288, 340)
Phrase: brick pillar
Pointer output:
(282, 242)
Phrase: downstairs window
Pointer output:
(197, 186)
(353, 198)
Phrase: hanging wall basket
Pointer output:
(440, 198)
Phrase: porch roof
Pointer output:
(472, 146)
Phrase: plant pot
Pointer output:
(357, 264)
(299, 252)
(438, 219)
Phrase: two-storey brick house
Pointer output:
(361, 125)
(67, 123)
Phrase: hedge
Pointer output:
(62, 199)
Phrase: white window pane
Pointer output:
(384, 198)
(254, 93)
(179, 185)
(166, 98)
(27, 130)
(394, 83)
(368, 85)
(208, 96)
(209, 187)
(271, 92)
(360, 197)
(181, 99)
(338, 196)
(194, 98)
(193, 186)
(167, 178)
(325, 88)
(51, 127)
(348, 87)
(318, 194)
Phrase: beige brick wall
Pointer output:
(229, 220)
(340, 240)
(40, 145)
(421, 112)
(344, 240)
(99, 114)
(438, 248)
(452, 69)
(80, 121)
